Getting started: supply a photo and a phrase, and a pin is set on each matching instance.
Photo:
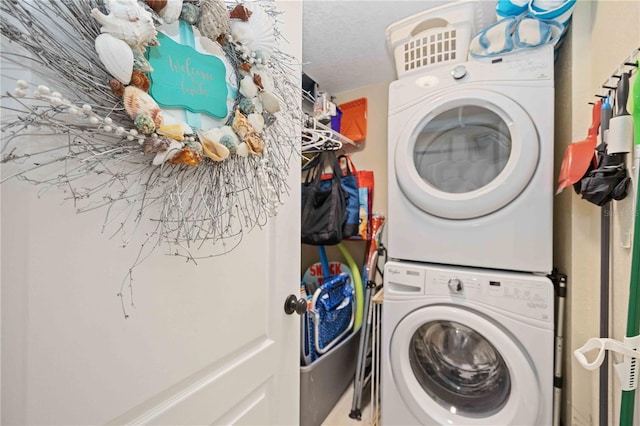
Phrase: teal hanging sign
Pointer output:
(185, 78)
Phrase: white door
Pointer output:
(466, 154)
(204, 344)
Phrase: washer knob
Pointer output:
(455, 286)
(459, 72)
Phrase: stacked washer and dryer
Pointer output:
(468, 315)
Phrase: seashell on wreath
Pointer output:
(246, 132)
(243, 150)
(156, 5)
(270, 102)
(212, 149)
(127, 21)
(214, 18)
(256, 121)
(173, 131)
(256, 35)
(141, 81)
(174, 148)
(188, 156)
(190, 13)
(155, 144)
(240, 12)
(254, 142)
(140, 63)
(265, 78)
(116, 56)
(171, 12)
(138, 102)
(116, 87)
(248, 88)
(145, 124)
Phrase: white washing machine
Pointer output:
(470, 160)
(466, 346)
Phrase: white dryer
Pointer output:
(470, 160)
(466, 346)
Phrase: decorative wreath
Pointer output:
(181, 112)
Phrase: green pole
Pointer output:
(633, 323)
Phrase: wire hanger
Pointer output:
(318, 137)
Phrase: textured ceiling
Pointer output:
(344, 45)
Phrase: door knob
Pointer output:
(293, 304)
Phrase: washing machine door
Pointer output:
(466, 154)
(454, 366)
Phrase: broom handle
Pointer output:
(633, 326)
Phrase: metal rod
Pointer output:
(605, 241)
(605, 262)
(630, 61)
(561, 289)
(358, 382)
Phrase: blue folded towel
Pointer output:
(511, 8)
(512, 35)
(532, 33)
(495, 39)
(559, 11)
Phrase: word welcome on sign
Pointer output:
(185, 78)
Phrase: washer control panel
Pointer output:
(520, 293)
(530, 296)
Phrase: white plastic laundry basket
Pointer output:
(435, 36)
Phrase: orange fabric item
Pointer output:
(354, 119)
(579, 155)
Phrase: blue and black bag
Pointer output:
(329, 318)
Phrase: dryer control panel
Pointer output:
(511, 74)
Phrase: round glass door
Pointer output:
(459, 369)
(452, 365)
(462, 149)
(466, 154)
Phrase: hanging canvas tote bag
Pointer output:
(349, 183)
(323, 205)
(365, 183)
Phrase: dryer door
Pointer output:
(466, 154)
(453, 366)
